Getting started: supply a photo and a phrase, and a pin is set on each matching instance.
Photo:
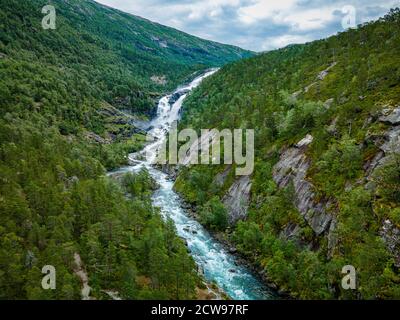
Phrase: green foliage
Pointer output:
(388, 180)
(131, 248)
(249, 237)
(107, 53)
(297, 116)
(214, 214)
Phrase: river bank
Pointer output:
(229, 246)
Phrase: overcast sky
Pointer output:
(258, 25)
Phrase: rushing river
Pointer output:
(218, 265)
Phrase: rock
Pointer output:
(83, 276)
(388, 144)
(296, 94)
(390, 141)
(348, 186)
(391, 117)
(232, 250)
(317, 218)
(91, 136)
(282, 292)
(172, 172)
(391, 235)
(30, 259)
(161, 80)
(322, 75)
(328, 103)
(237, 199)
(292, 167)
(72, 181)
(114, 295)
(290, 232)
(305, 142)
(221, 177)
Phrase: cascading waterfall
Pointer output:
(217, 264)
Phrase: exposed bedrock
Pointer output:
(292, 167)
(237, 199)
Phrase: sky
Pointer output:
(258, 25)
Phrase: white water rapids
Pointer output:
(218, 265)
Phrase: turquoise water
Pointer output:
(216, 263)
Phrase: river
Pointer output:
(218, 265)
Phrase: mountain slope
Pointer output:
(68, 101)
(325, 189)
(120, 56)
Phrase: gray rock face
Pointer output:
(392, 144)
(175, 97)
(391, 116)
(391, 236)
(237, 199)
(292, 167)
(322, 75)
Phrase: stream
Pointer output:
(216, 263)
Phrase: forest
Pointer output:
(68, 101)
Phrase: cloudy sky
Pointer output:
(258, 25)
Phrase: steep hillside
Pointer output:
(325, 191)
(120, 58)
(69, 99)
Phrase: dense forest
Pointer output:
(69, 99)
(322, 114)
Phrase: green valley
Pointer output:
(78, 195)
(70, 99)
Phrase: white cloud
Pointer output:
(286, 12)
(254, 24)
(308, 20)
(264, 9)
